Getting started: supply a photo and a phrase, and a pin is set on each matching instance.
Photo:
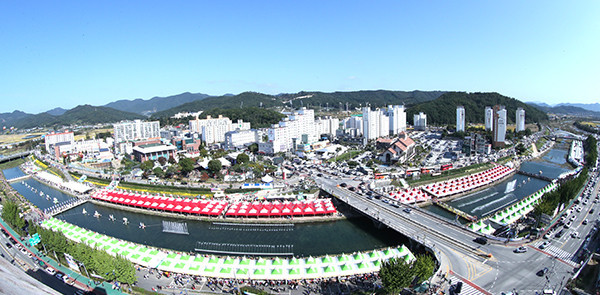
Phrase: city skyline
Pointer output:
(64, 55)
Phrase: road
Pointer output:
(461, 258)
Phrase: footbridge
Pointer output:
(20, 178)
(65, 206)
(535, 175)
(14, 156)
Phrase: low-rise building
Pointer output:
(400, 150)
(153, 152)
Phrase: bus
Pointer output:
(445, 167)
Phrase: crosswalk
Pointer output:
(558, 252)
(466, 288)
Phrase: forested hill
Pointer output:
(334, 100)
(442, 110)
(80, 115)
(355, 99)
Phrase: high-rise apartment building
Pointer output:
(520, 120)
(298, 127)
(380, 123)
(212, 130)
(460, 119)
(489, 118)
(499, 132)
(420, 121)
(136, 130)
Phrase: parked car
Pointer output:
(521, 249)
(50, 270)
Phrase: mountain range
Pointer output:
(431, 102)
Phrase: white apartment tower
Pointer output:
(460, 119)
(420, 121)
(499, 134)
(371, 123)
(295, 128)
(489, 115)
(212, 130)
(136, 130)
(397, 117)
(520, 120)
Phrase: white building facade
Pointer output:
(420, 121)
(240, 138)
(298, 127)
(136, 130)
(520, 120)
(499, 134)
(460, 119)
(489, 118)
(212, 130)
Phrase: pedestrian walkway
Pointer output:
(558, 252)
(106, 287)
(468, 287)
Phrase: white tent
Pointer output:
(267, 179)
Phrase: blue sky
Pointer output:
(62, 54)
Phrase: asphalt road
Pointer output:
(462, 258)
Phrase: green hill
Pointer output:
(246, 99)
(355, 99)
(307, 99)
(80, 115)
(258, 118)
(155, 104)
(442, 110)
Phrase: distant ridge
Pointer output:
(334, 100)
(155, 104)
(569, 110)
(443, 109)
(80, 115)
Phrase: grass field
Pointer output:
(15, 138)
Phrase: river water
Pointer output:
(304, 239)
(512, 189)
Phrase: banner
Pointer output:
(72, 264)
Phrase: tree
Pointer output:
(147, 165)
(204, 176)
(242, 158)
(158, 172)
(162, 161)
(395, 275)
(214, 166)
(253, 148)
(172, 160)
(186, 165)
(423, 267)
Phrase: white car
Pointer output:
(50, 270)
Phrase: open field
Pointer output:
(15, 138)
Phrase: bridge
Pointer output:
(535, 175)
(17, 179)
(65, 206)
(14, 156)
(420, 226)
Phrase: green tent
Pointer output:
(245, 261)
(277, 261)
(261, 261)
(377, 263)
(199, 259)
(358, 256)
(277, 271)
(312, 270)
(407, 258)
(259, 271)
(343, 258)
(362, 265)
(229, 260)
(328, 269)
(294, 271)
(310, 260)
(387, 252)
(225, 270)
(326, 259)
(209, 269)
(346, 267)
(213, 259)
(294, 261)
(373, 254)
(242, 271)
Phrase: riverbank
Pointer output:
(307, 219)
